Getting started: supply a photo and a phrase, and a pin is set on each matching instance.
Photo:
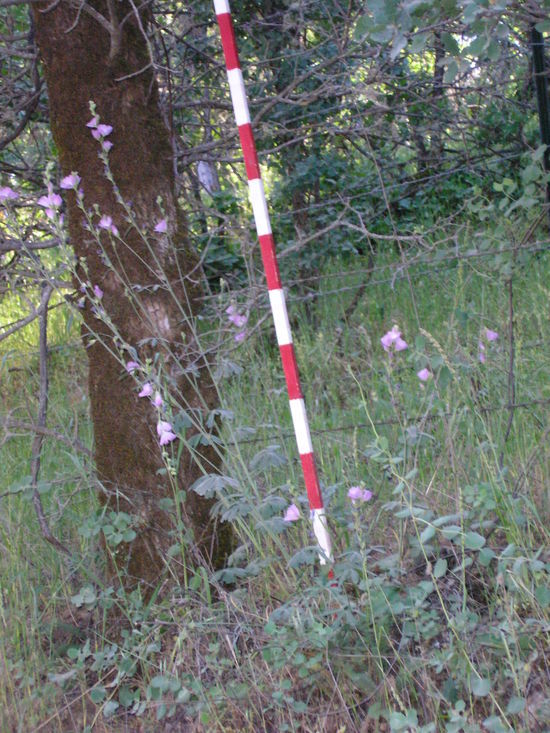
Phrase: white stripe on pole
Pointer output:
(259, 206)
(280, 316)
(301, 427)
(238, 96)
(221, 6)
(319, 521)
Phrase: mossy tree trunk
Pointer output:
(98, 51)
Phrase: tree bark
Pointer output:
(98, 51)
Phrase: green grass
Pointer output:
(439, 617)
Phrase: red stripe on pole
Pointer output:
(228, 41)
(249, 152)
(288, 357)
(312, 481)
(269, 259)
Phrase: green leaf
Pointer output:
(485, 556)
(450, 44)
(126, 696)
(481, 687)
(515, 705)
(109, 708)
(440, 568)
(305, 556)
(97, 695)
(495, 725)
(270, 457)
(542, 594)
(473, 541)
(212, 483)
(451, 531)
(427, 534)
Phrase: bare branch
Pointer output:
(41, 422)
(18, 245)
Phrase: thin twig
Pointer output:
(41, 422)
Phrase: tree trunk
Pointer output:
(98, 51)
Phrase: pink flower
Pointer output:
(424, 374)
(131, 366)
(93, 122)
(51, 201)
(80, 302)
(490, 335)
(292, 513)
(158, 401)
(356, 493)
(146, 390)
(393, 339)
(106, 222)
(240, 336)
(106, 145)
(102, 131)
(70, 181)
(7, 194)
(238, 320)
(481, 352)
(98, 292)
(161, 226)
(165, 433)
(230, 310)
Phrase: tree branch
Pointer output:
(41, 422)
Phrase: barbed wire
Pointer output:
(389, 422)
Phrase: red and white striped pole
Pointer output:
(276, 293)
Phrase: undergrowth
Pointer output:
(438, 616)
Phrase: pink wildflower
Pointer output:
(393, 339)
(131, 366)
(238, 319)
(490, 335)
(356, 493)
(292, 514)
(102, 131)
(93, 122)
(106, 145)
(7, 194)
(146, 390)
(240, 336)
(158, 401)
(161, 226)
(106, 222)
(70, 181)
(165, 432)
(424, 374)
(98, 292)
(51, 201)
(481, 352)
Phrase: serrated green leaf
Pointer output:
(270, 457)
(212, 483)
